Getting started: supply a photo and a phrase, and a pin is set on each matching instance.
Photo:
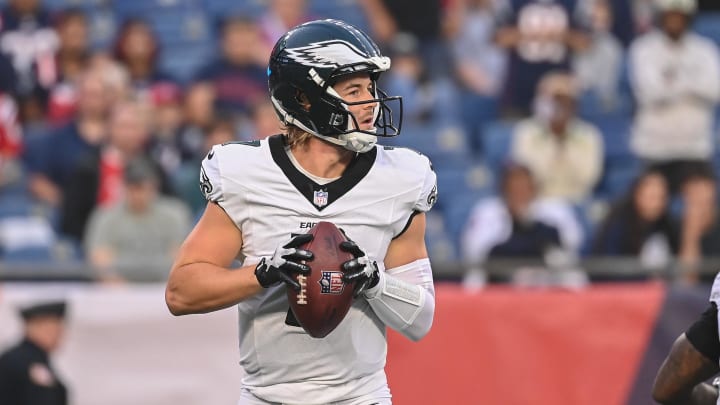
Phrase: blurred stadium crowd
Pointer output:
(558, 129)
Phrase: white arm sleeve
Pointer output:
(404, 298)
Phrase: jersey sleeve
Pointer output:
(715, 290)
(210, 178)
(429, 191)
(703, 334)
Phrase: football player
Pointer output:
(263, 196)
(693, 359)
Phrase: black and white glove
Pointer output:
(359, 270)
(285, 263)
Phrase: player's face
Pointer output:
(357, 88)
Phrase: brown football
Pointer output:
(324, 299)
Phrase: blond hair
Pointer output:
(295, 136)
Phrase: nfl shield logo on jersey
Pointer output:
(331, 282)
(320, 198)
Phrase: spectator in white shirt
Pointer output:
(676, 79)
(564, 153)
(675, 75)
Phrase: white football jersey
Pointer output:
(268, 198)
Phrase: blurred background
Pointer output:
(574, 143)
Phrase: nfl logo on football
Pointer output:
(320, 198)
(331, 282)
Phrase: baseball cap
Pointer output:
(43, 308)
(683, 6)
(139, 170)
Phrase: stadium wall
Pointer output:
(597, 346)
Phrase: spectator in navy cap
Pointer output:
(26, 375)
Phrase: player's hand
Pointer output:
(359, 270)
(285, 263)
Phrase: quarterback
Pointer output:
(264, 195)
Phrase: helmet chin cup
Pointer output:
(358, 141)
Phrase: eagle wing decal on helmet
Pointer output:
(327, 54)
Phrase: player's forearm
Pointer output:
(408, 307)
(203, 287)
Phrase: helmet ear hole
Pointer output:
(302, 99)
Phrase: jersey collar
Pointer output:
(321, 196)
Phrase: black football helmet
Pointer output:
(307, 61)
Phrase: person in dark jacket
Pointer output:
(529, 237)
(640, 222)
(26, 375)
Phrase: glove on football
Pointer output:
(285, 263)
(359, 270)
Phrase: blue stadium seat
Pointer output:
(103, 24)
(64, 4)
(441, 143)
(180, 26)
(590, 215)
(459, 188)
(621, 166)
(475, 111)
(346, 10)
(31, 254)
(625, 85)
(591, 107)
(441, 247)
(221, 8)
(147, 8)
(616, 135)
(496, 143)
(457, 213)
(708, 24)
(15, 205)
(25, 237)
(182, 61)
(617, 178)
